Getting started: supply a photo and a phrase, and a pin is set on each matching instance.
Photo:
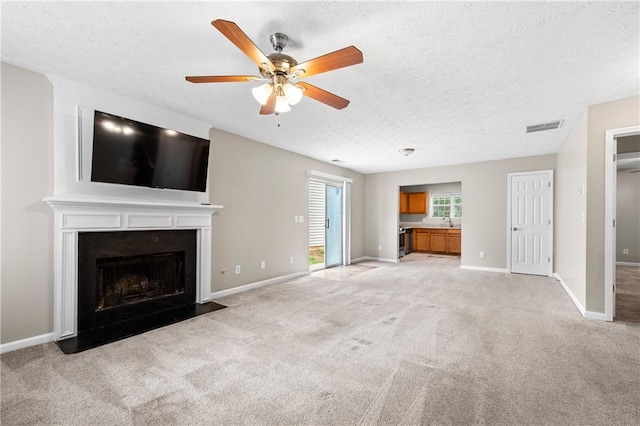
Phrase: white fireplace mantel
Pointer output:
(82, 214)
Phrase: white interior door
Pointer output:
(531, 230)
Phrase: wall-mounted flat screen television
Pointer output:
(132, 153)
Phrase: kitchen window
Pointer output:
(446, 205)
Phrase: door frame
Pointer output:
(551, 216)
(345, 183)
(610, 191)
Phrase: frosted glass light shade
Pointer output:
(293, 93)
(262, 93)
(282, 105)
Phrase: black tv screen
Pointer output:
(132, 153)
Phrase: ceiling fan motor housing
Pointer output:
(282, 63)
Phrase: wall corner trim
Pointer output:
(25, 343)
(251, 286)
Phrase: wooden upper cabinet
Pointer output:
(417, 203)
(404, 202)
(414, 202)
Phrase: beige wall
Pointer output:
(27, 223)
(571, 205)
(602, 117)
(262, 188)
(628, 216)
(484, 192)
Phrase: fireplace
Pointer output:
(123, 267)
(128, 275)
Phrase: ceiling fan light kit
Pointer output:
(282, 71)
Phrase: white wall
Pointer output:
(484, 221)
(27, 223)
(262, 188)
(602, 117)
(581, 163)
(571, 207)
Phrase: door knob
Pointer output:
(516, 229)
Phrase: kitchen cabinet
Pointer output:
(413, 202)
(437, 240)
(404, 202)
(421, 240)
(454, 237)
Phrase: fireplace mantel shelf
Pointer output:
(69, 203)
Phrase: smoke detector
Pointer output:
(406, 151)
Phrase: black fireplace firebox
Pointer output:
(129, 275)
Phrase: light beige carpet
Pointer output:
(402, 343)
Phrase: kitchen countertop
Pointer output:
(428, 226)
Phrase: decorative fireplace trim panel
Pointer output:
(72, 215)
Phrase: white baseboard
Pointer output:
(246, 287)
(637, 265)
(595, 316)
(587, 314)
(481, 268)
(25, 343)
(572, 296)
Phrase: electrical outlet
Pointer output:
(295, 218)
(379, 248)
(301, 218)
(481, 255)
(263, 264)
(291, 260)
(625, 251)
(237, 269)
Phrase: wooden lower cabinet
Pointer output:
(438, 240)
(454, 238)
(430, 240)
(421, 240)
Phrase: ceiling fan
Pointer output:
(282, 71)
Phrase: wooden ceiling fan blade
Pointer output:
(222, 78)
(331, 61)
(236, 36)
(270, 106)
(323, 96)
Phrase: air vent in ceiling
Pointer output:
(544, 126)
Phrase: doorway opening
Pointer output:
(622, 250)
(329, 221)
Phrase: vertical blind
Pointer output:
(316, 212)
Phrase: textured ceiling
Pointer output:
(456, 81)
